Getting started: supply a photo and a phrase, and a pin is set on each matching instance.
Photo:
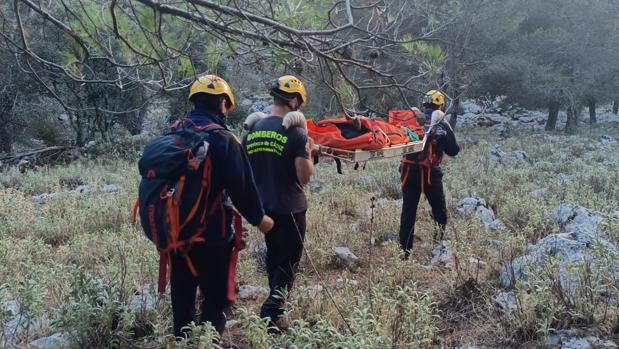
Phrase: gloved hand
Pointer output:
(252, 119)
(437, 117)
(294, 119)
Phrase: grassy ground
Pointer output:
(78, 261)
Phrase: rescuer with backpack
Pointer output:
(280, 157)
(421, 172)
(189, 177)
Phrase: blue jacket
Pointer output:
(445, 143)
(232, 173)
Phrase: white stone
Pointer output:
(43, 198)
(520, 155)
(11, 308)
(111, 188)
(469, 205)
(497, 118)
(607, 141)
(497, 155)
(390, 236)
(355, 227)
(345, 257)
(146, 299)
(82, 189)
(484, 214)
(471, 107)
(576, 339)
(496, 225)
(568, 248)
(539, 193)
(527, 119)
(317, 187)
(343, 282)
(314, 290)
(478, 262)
(55, 341)
(443, 254)
(572, 218)
(261, 106)
(608, 345)
(579, 343)
(506, 300)
(564, 177)
(20, 326)
(252, 292)
(246, 103)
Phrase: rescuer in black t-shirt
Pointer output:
(280, 159)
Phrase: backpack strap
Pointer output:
(164, 262)
(188, 123)
(136, 208)
(425, 166)
(234, 257)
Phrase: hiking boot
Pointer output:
(282, 324)
(438, 237)
(406, 255)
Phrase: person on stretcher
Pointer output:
(421, 172)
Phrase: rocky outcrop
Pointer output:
(578, 241)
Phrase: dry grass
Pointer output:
(46, 249)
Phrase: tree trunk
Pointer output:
(454, 113)
(553, 115)
(76, 123)
(616, 106)
(592, 118)
(5, 139)
(572, 120)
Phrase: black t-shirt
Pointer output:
(272, 152)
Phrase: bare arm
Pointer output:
(305, 169)
(305, 166)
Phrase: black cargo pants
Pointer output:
(411, 193)
(212, 266)
(284, 250)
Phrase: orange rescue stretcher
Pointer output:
(369, 139)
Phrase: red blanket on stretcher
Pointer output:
(374, 134)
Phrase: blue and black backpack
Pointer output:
(172, 202)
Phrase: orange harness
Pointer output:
(426, 164)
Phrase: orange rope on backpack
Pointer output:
(173, 200)
(425, 165)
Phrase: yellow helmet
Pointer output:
(290, 84)
(213, 85)
(434, 97)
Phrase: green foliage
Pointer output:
(539, 56)
(547, 303)
(302, 14)
(92, 313)
(383, 318)
(203, 337)
(431, 55)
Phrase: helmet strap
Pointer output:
(293, 108)
(276, 92)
